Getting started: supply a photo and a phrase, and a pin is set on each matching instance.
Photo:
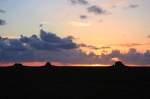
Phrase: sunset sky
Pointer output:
(75, 32)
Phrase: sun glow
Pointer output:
(89, 65)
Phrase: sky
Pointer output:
(75, 32)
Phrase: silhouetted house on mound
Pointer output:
(119, 66)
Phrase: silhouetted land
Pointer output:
(74, 82)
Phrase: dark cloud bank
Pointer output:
(50, 47)
(2, 11)
(2, 22)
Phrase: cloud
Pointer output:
(2, 11)
(82, 2)
(50, 47)
(105, 47)
(127, 3)
(83, 17)
(93, 47)
(2, 22)
(148, 36)
(96, 10)
(49, 41)
(116, 3)
(89, 46)
(131, 57)
(46, 42)
(129, 44)
(91, 8)
(133, 6)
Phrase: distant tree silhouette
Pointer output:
(48, 64)
(17, 66)
(118, 65)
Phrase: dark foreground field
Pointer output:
(74, 83)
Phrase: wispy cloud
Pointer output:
(83, 17)
(133, 6)
(82, 2)
(94, 47)
(96, 10)
(100, 9)
(90, 7)
(129, 44)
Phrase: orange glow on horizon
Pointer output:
(87, 65)
(37, 64)
(40, 64)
